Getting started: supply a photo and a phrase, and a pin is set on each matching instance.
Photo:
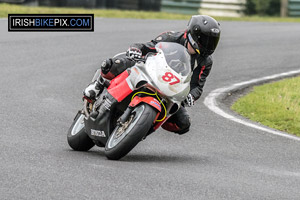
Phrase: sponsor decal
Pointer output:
(97, 133)
(155, 103)
(50, 22)
(215, 30)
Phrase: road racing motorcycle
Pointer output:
(145, 96)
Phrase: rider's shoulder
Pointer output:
(169, 36)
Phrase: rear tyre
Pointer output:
(77, 137)
(125, 137)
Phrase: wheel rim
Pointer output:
(117, 136)
(78, 126)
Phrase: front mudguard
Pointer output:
(153, 102)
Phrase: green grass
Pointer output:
(6, 9)
(276, 105)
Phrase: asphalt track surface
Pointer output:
(43, 75)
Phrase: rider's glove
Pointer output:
(189, 101)
(134, 53)
(93, 90)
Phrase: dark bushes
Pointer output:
(263, 7)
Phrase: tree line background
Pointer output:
(263, 7)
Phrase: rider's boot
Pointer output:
(94, 89)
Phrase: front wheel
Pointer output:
(77, 137)
(126, 136)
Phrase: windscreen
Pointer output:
(177, 57)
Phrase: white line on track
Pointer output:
(212, 103)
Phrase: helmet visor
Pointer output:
(208, 43)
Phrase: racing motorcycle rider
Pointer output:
(200, 38)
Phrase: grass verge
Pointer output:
(276, 105)
(6, 9)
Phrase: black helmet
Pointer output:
(203, 33)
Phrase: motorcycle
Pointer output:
(147, 95)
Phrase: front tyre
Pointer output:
(77, 137)
(126, 136)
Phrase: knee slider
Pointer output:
(184, 125)
(106, 65)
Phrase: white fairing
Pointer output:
(169, 71)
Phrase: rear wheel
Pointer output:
(77, 137)
(126, 136)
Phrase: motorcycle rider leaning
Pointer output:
(200, 38)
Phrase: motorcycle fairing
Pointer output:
(101, 123)
(159, 124)
(154, 70)
(119, 87)
(149, 74)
